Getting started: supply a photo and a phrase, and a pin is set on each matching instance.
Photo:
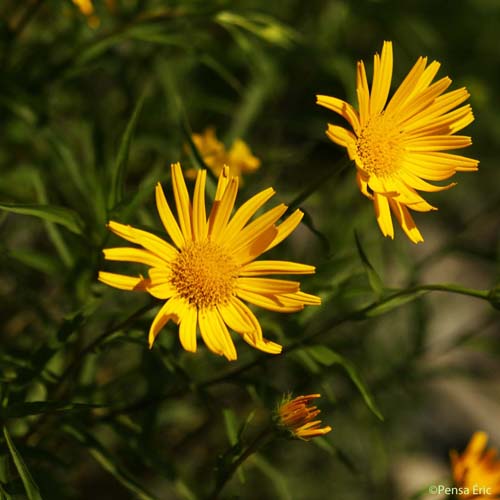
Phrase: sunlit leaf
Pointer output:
(32, 491)
(108, 463)
(59, 215)
(327, 357)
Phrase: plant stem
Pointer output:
(261, 439)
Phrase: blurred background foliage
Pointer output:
(93, 108)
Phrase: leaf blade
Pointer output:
(30, 486)
(50, 213)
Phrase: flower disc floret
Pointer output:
(204, 274)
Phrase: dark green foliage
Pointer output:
(90, 120)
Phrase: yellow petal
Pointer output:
(245, 212)
(123, 282)
(129, 254)
(286, 228)
(257, 227)
(406, 221)
(200, 228)
(363, 93)
(187, 329)
(263, 344)
(361, 180)
(265, 267)
(253, 248)
(215, 334)
(270, 302)
(267, 285)
(382, 76)
(438, 143)
(167, 217)
(233, 317)
(300, 297)
(249, 317)
(342, 108)
(149, 241)
(383, 214)
(422, 101)
(173, 309)
(341, 136)
(417, 183)
(408, 85)
(221, 211)
(182, 201)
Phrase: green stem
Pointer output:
(357, 315)
(260, 440)
(337, 169)
(60, 387)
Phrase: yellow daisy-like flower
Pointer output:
(210, 269)
(297, 416)
(399, 145)
(476, 472)
(87, 9)
(238, 158)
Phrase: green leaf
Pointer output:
(3, 494)
(30, 486)
(393, 302)
(50, 213)
(261, 25)
(373, 277)
(231, 425)
(118, 173)
(275, 476)
(25, 409)
(327, 357)
(107, 462)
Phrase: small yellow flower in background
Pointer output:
(477, 470)
(238, 158)
(398, 144)
(87, 9)
(297, 417)
(210, 269)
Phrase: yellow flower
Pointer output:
(210, 268)
(87, 9)
(397, 144)
(476, 472)
(239, 158)
(297, 417)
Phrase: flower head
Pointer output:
(87, 9)
(398, 145)
(477, 471)
(210, 268)
(238, 158)
(297, 416)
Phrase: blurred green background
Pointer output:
(165, 420)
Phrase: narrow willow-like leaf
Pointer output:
(3, 494)
(373, 277)
(118, 172)
(261, 25)
(393, 302)
(275, 476)
(231, 426)
(327, 357)
(18, 410)
(32, 491)
(50, 213)
(107, 462)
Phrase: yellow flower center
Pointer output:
(379, 147)
(204, 274)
